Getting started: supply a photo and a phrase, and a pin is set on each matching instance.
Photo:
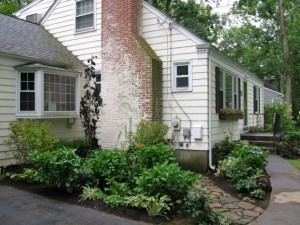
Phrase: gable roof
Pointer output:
(34, 2)
(20, 38)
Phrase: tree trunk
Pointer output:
(287, 55)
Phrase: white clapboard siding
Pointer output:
(190, 105)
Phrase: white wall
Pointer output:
(7, 110)
(191, 106)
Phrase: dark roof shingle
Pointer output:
(25, 39)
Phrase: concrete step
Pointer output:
(262, 143)
(257, 136)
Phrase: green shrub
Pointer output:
(252, 156)
(82, 146)
(197, 203)
(258, 193)
(151, 155)
(29, 175)
(150, 132)
(114, 200)
(29, 135)
(60, 168)
(223, 148)
(289, 145)
(155, 205)
(285, 112)
(108, 164)
(166, 179)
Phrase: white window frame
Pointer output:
(39, 112)
(75, 17)
(234, 84)
(189, 76)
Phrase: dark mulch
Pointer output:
(126, 212)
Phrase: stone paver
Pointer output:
(240, 211)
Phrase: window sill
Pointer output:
(182, 90)
(50, 115)
(86, 30)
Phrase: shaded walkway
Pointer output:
(284, 208)
(19, 207)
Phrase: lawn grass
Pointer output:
(295, 163)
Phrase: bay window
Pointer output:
(46, 93)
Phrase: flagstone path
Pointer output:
(240, 211)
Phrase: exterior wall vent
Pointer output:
(35, 18)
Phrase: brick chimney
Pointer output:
(131, 71)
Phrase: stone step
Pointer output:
(257, 136)
(262, 143)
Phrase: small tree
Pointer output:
(90, 104)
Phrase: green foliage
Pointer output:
(195, 15)
(223, 148)
(289, 145)
(2, 173)
(90, 193)
(10, 6)
(107, 164)
(114, 200)
(155, 205)
(60, 168)
(166, 179)
(285, 112)
(197, 203)
(29, 135)
(150, 132)
(82, 145)
(258, 193)
(244, 167)
(29, 175)
(151, 155)
(116, 188)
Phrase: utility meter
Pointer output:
(176, 124)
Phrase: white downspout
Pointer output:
(211, 166)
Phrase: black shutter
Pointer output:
(239, 93)
(218, 100)
(254, 99)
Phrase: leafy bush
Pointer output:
(108, 164)
(244, 167)
(150, 132)
(82, 145)
(258, 193)
(29, 175)
(285, 112)
(252, 156)
(166, 179)
(155, 205)
(289, 145)
(223, 148)
(151, 155)
(114, 200)
(60, 168)
(29, 135)
(197, 203)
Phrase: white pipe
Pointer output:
(211, 166)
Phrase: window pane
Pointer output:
(23, 86)
(84, 21)
(30, 76)
(60, 92)
(84, 7)
(228, 98)
(182, 82)
(182, 70)
(27, 100)
(24, 77)
(31, 86)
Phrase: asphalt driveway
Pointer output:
(23, 208)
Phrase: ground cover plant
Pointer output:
(289, 145)
(244, 166)
(146, 175)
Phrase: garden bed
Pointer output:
(125, 212)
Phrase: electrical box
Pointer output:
(186, 133)
(176, 123)
(197, 133)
